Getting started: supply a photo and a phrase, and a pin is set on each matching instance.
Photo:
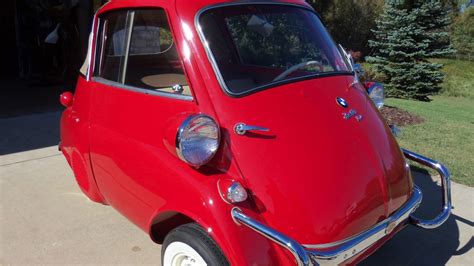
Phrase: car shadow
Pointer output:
(22, 97)
(416, 246)
(29, 113)
(29, 132)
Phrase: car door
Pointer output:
(139, 85)
(317, 140)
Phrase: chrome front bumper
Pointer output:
(338, 252)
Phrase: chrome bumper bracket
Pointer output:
(445, 187)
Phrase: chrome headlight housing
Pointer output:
(377, 94)
(197, 140)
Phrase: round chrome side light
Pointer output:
(236, 193)
(231, 191)
(197, 140)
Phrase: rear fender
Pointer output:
(75, 140)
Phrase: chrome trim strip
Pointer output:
(339, 251)
(213, 61)
(445, 186)
(144, 91)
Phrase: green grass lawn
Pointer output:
(448, 133)
(446, 136)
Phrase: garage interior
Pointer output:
(44, 44)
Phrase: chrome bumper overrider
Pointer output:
(445, 187)
(337, 252)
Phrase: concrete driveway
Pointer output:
(45, 219)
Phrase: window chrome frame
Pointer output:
(102, 47)
(141, 90)
(215, 66)
(129, 23)
(93, 46)
(119, 85)
(93, 43)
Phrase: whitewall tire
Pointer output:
(181, 254)
(191, 245)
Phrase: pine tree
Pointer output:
(434, 17)
(401, 51)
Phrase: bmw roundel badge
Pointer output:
(342, 102)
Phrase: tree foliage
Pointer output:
(434, 18)
(350, 22)
(401, 51)
(463, 33)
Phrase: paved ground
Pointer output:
(45, 219)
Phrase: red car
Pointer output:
(236, 132)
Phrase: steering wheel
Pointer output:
(292, 69)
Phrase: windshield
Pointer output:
(257, 46)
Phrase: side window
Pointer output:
(153, 61)
(111, 45)
(141, 53)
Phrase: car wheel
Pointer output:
(190, 244)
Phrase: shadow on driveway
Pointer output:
(29, 132)
(29, 114)
(416, 246)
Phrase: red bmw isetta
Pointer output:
(237, 132)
